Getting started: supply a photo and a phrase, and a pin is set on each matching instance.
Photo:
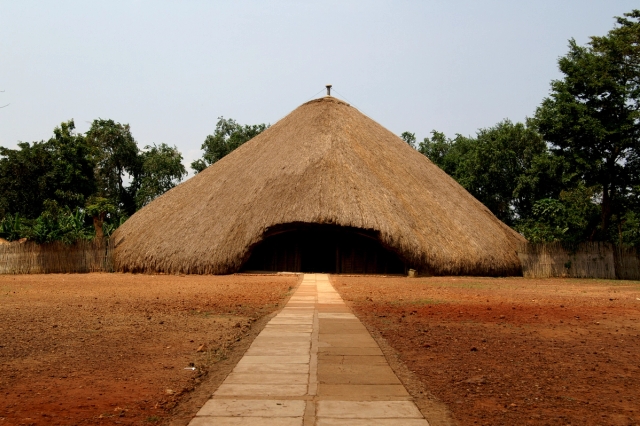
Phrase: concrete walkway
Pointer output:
(313, 364)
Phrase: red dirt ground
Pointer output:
(513, 351)
(112, 348)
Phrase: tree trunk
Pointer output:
(98, 221)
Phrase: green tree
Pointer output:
(162, 170)
(25, 179)
(409, 138)
(592, 117)
(506, 167)
(98, 208)
(73, 178)
(438, 149)
(115, 153)
(227, 136)
(60, 170)
(567, 218)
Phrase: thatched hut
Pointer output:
(325, 189)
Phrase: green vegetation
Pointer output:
(77, 186)
(228, 136)
(572, 172)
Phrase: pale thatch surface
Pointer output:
(324, 163)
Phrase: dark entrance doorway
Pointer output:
(323, 248)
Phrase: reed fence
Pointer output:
(585, 260)
(57, 257)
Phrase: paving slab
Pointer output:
(356, 374)
(347, 341)
(276, 333)
(341, 327)
(371, 422)
(314, 363)
(361, 392)
(233, 389)
(330, 350)
(260, 368)
(272, 359)
(275, 378)
(337, 315)
(293, 328)
(277, 336)
(326, 358)
(368, 409)
(253, 408)
(246, 421)
(284, 350)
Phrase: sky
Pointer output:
(171, 68)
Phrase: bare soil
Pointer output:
(512, 351)
(121, 348)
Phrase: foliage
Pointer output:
(592, 117)
(567, 218)
(54, 224)
(59, 170)
(504, 166)
(227, 136)
(162, 170)
(115, 153)
(409, 138)
(12, 227)
(629, 229)
(53, 190)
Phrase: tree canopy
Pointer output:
(60, 170)
(572, 172)
(76, 186)
(227, 136)
(502, 166)
(162, 169)
(592, 117)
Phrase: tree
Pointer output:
(506, 167)
(72, 166)
(592, 117)
(409, 138)
(227, 136)
(48, 188)
(162, 169)
(98, 208)
(25, 175)
(567, 218)
(59, 170)
(115, 153)
(449, 154)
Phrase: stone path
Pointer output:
(313, 364)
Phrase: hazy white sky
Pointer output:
(170, 68)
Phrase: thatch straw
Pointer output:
(56, 257)
(324, 163)
(585, 260)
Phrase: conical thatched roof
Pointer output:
(324, 163)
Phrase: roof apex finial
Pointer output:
(328, 90)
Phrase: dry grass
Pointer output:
(324, 163)
(57, 257)
(586, 260)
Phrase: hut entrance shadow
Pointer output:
(323, 248)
